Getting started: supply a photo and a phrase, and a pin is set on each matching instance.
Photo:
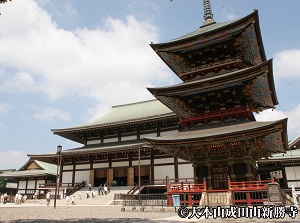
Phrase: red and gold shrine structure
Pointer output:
(225, 79)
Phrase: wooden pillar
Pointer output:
(249, 174)
(196, 179)
(26, 186)
(109, 177)
(231, 169)
(152, 168)
(61, 170)
(176, 168)
(73, 172)
(209, 176)
(130, 176)
(92, 176)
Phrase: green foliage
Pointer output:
(2, 183)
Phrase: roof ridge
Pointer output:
(134, 103)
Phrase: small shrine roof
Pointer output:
(44, 169)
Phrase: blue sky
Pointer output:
(65, 62)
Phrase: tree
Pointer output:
(4, 1)
(2, 183)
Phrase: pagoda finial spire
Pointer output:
(208, 16)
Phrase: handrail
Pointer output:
(246, 185)
(132, 190)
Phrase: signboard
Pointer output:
(274, 195)
(176, 201)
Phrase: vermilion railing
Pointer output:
(249, 185)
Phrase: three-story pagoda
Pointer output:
(225, 79)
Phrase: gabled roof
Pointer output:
(41, 170)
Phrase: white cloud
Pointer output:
(270, 115)
(13, 159)
(69, 8)
(113, 64)
(286, 64)
(292, 115)
(52, 114)
(5, 107)
(20, 82)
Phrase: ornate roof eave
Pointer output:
(70, 133)
(179, 88)
(90, 150)
(210, 82)
(189, 37)
(180, 138)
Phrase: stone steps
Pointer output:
(98, 199)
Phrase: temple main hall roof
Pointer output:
(119, 116)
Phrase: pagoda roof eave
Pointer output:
(188, 86)
(220, 132)
(214, 28)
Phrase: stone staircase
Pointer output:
(98, 199)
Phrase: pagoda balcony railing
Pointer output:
(249, 185)
(231, 63)
(222, 113)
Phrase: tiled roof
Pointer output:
(139, 111)
(215, 131)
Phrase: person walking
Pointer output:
(48, 198)
(87, 194)
(73, 200)
(79, 195)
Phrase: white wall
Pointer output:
(67, 177)
(31, 184)
(110, 140)
(70, 167)
(160, 172)
(154, 134)
(22, 185)
(82, 176)
(91, 142)
(120, 164)
(100, 165)
(292, 173)
(185, 171)
(143, 162)
(83, 166)
(164, 160)
(125, 138)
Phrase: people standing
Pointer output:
(48, 195)
(67, 200)
(87, 194)
(19, 198)
(105, 189)
(79, 195)
(93, 193)
(73, 200)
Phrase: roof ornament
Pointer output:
(208, 16)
